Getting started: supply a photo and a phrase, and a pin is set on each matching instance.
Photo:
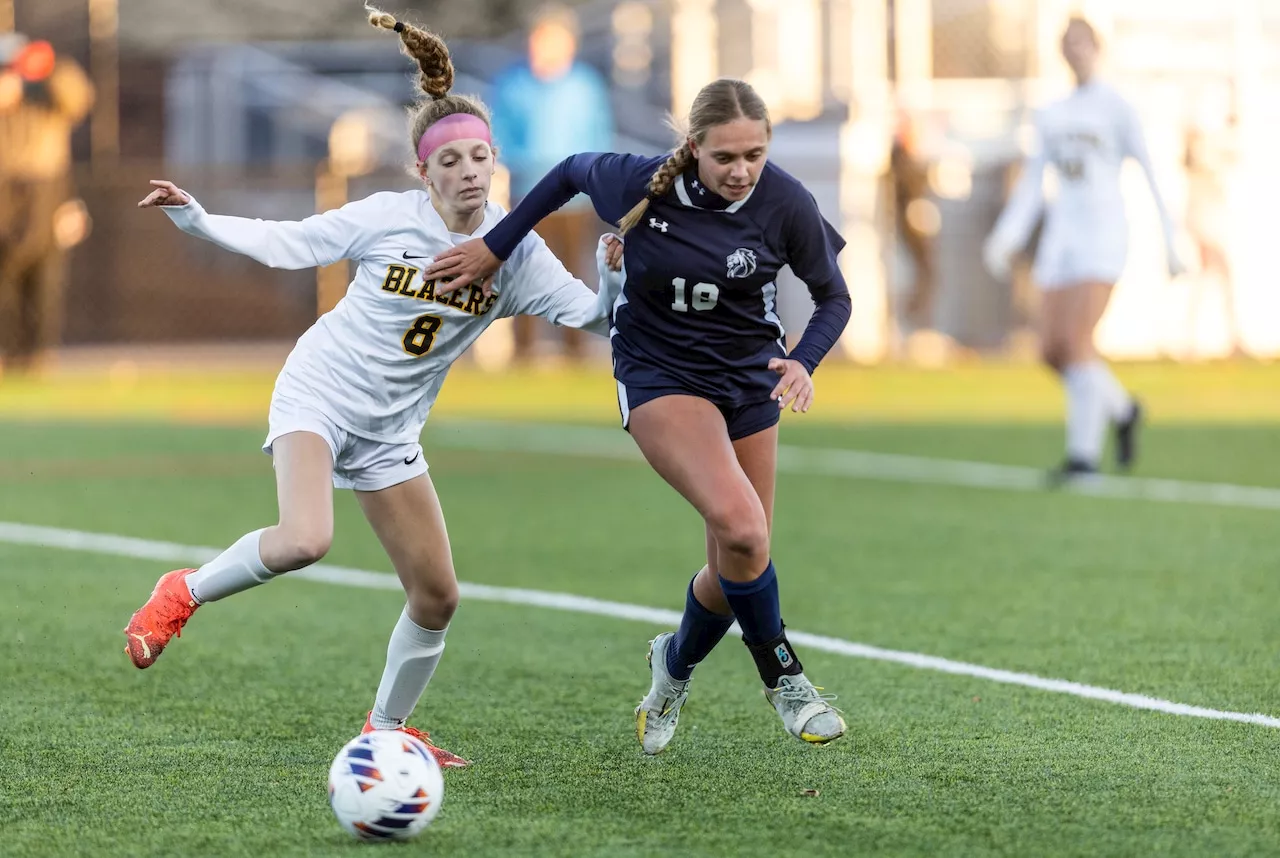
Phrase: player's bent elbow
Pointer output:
(595, 325)
(286, 250)
(284, 262)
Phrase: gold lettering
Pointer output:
(406, 288)
(473, 301)
(394, 278)
(442, 299)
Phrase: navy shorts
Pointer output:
(741, 420)
(740, 392)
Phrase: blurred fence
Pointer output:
(969, 72)
(137, 278)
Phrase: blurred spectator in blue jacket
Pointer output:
(546, 108)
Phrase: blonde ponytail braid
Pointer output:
(659, 184)
(425, 47)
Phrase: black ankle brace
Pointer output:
(775, 659)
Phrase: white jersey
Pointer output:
(375, 362)
(1085, 139)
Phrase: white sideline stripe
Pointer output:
(856, 464)
(103, 543)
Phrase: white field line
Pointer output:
(102, 543)
(857, 464)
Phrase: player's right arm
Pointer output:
(1019, 217)
(322, 239)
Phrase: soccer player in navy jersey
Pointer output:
(702, 368)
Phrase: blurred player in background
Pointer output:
(1085, 137)
(43, 97)
(350, 403)
(701, 366)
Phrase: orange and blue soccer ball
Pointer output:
(385, 785)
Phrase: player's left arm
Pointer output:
(614, 182)
(1020, 214)
(811, 245)
(540, 285)
(1135, 146)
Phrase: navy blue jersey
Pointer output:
(699, 300)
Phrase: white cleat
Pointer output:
(657, 714)
(806, 713)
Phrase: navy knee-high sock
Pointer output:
(700, 630)
(755, 604)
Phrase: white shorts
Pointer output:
(1070, 256)
(358, 463)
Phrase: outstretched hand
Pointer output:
(165, 194)
(795, 387)
(469, 262)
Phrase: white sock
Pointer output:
(1116, 400)
(238, 568)
(1086, 414)
(412, 656)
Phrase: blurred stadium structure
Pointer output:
(274, 108)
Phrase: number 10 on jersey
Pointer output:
(705, 296)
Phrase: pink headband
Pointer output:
(456, 126)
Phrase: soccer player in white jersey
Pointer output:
(1085, 137)
(350, 403)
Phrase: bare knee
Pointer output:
(1081, 351)
(1054, 355)
(743, 533)
(432, 603)
(293, 547)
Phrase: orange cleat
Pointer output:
(446, 759)
(160, 619)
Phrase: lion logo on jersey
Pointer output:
(741, 263)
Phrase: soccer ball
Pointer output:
(385, 785)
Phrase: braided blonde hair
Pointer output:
(717, 103)
(435, 76)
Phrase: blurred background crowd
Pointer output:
(907, 119)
